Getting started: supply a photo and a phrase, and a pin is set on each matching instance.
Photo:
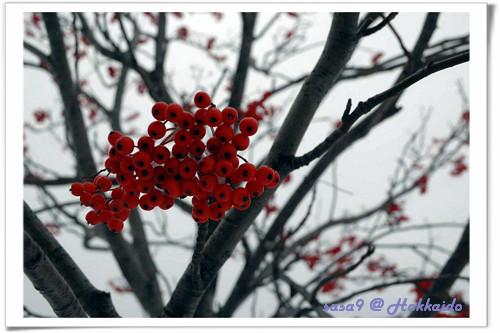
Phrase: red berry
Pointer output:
(144, 203)
(247, 171)
(227, 151)
(234, 179)
(174, 112)
(77, 189)
(229, 115)
(198, 132)
(154, 197)
(123, 214)
(144, 185)
(146, 173)
(92, 218)
(202, 99)
(186, 121)
(114, 154)
(115, 225)
(167, 203)
(159, 111)
(240, 197)
(182, 138)
(173, 189)
(206, 165)
(213, 145)
(199, 116)
(215, 214)
(197, 148)
(213, 117)
(249, 126)
(130, 201)
(145, 143)
(187, 168)
(141, 160)
(201, 211)
(265, 175)
(113, 136)
(189, 187)
(160, 154)
(224, 168)
(159, 174)
(208, 183)
(157, 130)
(89, 187)
(180, 151)
(224, 132)
(125, 178)
(254, 188)
(105, 216)
(126, 165)
(236, 162)
(97, 201)
(222, 193)
(117, 193)
(241, 141)
(103, 183)
(131, 189)
(275, 182)
(85, 198)
(111, 165)
(172, 166)
(124, 145)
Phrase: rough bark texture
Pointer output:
(338, 49)
(48, 282)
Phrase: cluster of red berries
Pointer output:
(206, 169)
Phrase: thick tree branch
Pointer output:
(48, 282)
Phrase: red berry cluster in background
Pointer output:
(207, 169)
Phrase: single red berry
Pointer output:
(159, 174)
(226, 205)
(125, 178)
(222, 193)
(111, 165)
(124, 145)
(244, 206)
(254, 188)
(203, 196)
(131, 189)
(113, 136)
(240, 197)
(159, 111)
(249, 126)
(92, 218)
(187, 168)
(103, 183)
(157, 130)
(123, 214)
(241, 141)
(172, 166)
(206, 165)
(180, 151)
(160, 154)
(173, 189)
(146, 143)
(98, 201)
(198, 132)
(265, 175)
(227, 151)
(236, 162)
(186, 121)
(202, 99)
(197, 148)
(174, 112)
(234, 179)
(213, 145)
(114, 154)
(115, 225)
(116, 205)
(130, 201)
(201, 211)
(77, 189)
(189, 187)
(167, 202)
(146, 173)
(105, 216)
(144, 203)
(224, 168)
(141, 160)
(126, 165)
(154, 197)
(247, 171)
(199, 116)
(89, 187)
(229, 116)
(275, 182)
(213, 117)
(224, 132)
(208, 183)
(182, 137)
(85, 198)
(117, 193)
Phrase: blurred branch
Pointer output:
(364, 32)
(48, 282)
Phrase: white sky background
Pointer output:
(363, 170)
